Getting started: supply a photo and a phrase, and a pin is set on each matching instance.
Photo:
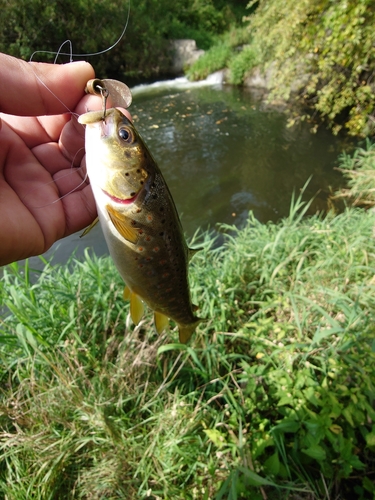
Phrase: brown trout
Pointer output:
(139, 221)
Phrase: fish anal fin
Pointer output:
(136, 308)
(161, 322)
(88, 228)
(123, 224)
(126, 293)
(186, 331)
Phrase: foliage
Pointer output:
(27, 26)
(239, 65)
(274, 397)
(220, 55)
(215, 59)
(359, 170)
(329, 47)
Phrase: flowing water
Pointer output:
(223, 152)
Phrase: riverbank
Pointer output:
(317, 53)
(273, 396)
(223, 152)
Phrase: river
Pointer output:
(223, 152)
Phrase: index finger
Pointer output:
(36, 89)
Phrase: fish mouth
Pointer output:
(123, 201)
(107, 126)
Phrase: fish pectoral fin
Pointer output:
(192, 252)
(88, 229)
(161, 322)
(123, 225)
(136, 308)
(186, 331)
(126, 293)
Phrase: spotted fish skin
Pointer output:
(139, 218)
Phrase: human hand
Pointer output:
(40, 142)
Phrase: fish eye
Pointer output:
(125, 134)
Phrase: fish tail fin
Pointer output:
(186, 331)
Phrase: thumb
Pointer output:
(35, 89)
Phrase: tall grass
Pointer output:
(359, 169)
(273, 398)
(226, 52)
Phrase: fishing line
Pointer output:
(71, 56)
(56, 181)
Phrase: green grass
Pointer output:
(273, 398)
(359, 170)
(226, 52)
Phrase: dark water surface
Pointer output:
(223, 152)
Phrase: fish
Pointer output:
(140, 221)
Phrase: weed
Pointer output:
(273, 398)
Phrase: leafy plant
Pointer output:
(274, 397)
(359, 169)
(213, 60)
(219, 56)
(328, 48)
(240, 65)
(28, 26)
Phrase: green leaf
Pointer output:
(356, 463)
(322, 334)
(370, 438)
(315, 451)
(348, 415)
(287, 426)
(272, 464)
(255, 479)
(216, 437)
(171, 347)
(368, 485)
(285, 400)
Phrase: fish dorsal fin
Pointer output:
(127, 293)
(192, 252)
(161, 321)
(88, 229)
(123, 224)
(136, 308)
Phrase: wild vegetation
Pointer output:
(92, 26)
(319, 52)
(273, 398)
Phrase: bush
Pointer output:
(27, 26)
(334, 42)
(241, 64)
(213, 60)
(219, 56)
